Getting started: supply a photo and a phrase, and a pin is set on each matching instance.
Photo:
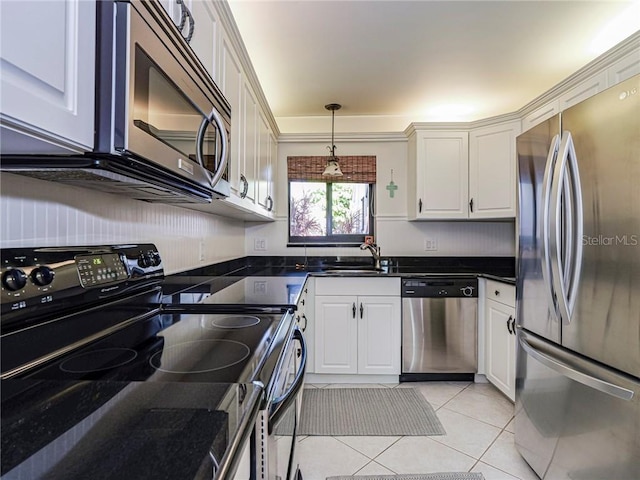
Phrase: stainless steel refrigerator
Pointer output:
(578, 290)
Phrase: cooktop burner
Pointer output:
(235, 321)
(200, 356)
(97, 360)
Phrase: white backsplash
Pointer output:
(399, 237)
(38, 213)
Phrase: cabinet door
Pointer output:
(336, 334)
(205, 35)
(231, 86)
(264, 164)
(492, 171)
(48, 75)
(379, 335)
(500, 347)
(442, 173)
(250, 118)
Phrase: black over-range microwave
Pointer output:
(162, 125)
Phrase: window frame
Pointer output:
(342, 240)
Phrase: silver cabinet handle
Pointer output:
(570, 372)
(214, 117)
(192, 25)
(546, 222)
(183, 14)
(245, 186)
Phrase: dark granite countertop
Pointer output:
(212, 279)
(105, 430)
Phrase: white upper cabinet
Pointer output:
(492, 171)
(540, 114)
(583, 90)
(439, 166)
(265, 163)
(249, 116)
(626, 67)
(206, 35)
(48, 76)
(231, 86)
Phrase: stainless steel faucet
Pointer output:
(375, 251)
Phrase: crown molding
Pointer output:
(342, 137)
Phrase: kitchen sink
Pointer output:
(354, 271)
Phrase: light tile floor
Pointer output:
(478, 420)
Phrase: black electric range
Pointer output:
(98, 332)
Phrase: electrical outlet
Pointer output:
(430, 244)
(260, 244)
(260, 287)
(201, 250)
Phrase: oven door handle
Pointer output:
(282, 403)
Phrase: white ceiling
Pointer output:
(417, 59)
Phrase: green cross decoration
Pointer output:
(392, 187)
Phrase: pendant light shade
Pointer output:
(333, 167)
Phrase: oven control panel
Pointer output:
(100, 269)
(53, 277)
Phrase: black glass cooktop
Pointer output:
(231, 291)
(176, 347)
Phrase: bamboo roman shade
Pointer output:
(355, 169)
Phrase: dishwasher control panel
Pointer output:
(440, 287)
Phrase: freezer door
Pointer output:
(605, 322)
(537, 154)
(575, 419)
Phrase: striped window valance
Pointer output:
(355, 169)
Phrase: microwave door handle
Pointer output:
(280, 405)
(214, 117)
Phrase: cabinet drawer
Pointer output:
(501, 292)
(357, 286)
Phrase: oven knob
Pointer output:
(42, 276)
(155, 259)
(14, 279)
(144, 260)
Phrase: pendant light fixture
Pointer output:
(333, 168)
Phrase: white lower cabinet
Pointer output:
(357, 333)
(500, 338)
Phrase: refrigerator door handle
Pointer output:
(572, 373)
(575, 262)
(545, 227)
(567, 200)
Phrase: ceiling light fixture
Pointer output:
(333, 168)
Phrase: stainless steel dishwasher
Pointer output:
(439, 328)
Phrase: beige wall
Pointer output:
(394, 233)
